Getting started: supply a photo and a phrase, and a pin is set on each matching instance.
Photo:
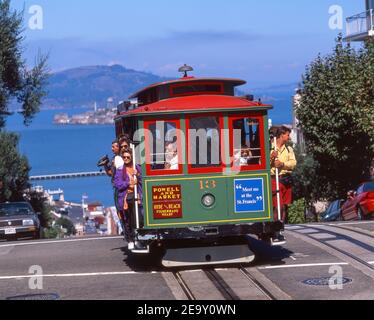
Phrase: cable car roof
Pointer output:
(196, 103)
(233, 82)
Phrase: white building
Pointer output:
(360, 27)
(297, 135)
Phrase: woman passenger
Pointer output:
(125, 181)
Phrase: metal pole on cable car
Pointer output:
(132, 146)
(277, 183)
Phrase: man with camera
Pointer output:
(111, 167)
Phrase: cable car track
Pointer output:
(365, 233)
(346, 237)
(362, 265)
(222, 286)
(257, 284)
(183, 285)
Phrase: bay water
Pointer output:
(55, 149)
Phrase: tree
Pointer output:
(20, 84)
(40, 204)
(16, 80)
(336, 115)
(14, 169)
(65, 223)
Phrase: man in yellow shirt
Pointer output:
(283, 158)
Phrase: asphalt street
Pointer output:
(100, 268)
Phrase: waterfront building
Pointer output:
(297, 134)
(79, 228)
(113, 223)
(360, 27)
(61, 118)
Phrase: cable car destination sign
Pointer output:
(167, 202)
(249, 195)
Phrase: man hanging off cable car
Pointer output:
(283, 158)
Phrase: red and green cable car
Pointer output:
(205, 159)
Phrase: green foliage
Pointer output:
(14, 169)
(304, 175)
(40, 204)
(16, 80)
(62, 226)
(67, 224)
(296, 212)
(52, 233)
(336, 115)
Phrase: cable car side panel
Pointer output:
(179, 202)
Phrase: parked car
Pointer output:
(18, 220)
(333, 211)
(360, 204)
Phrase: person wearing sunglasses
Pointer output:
(124, 143)
(125, 181)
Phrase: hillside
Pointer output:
(85, 85)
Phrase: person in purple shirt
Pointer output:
(125, 181)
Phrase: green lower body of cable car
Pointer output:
(206, 219)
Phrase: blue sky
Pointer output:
(264, 42)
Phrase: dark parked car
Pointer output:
(360, 204)
(18, 220)
(333, 212)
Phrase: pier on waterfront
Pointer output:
(59, 176)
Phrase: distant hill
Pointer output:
(84, 86)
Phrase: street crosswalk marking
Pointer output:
(36, 243)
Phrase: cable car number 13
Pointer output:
(207, 184)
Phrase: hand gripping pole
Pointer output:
(277, 184)
(132, 146)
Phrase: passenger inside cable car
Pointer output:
(249, 152)
(171, 156)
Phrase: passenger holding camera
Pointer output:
(111, 167)
(117, 159)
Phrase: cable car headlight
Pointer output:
(208, 200)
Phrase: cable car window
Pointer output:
(197, 88)
(125, 126)
(204, 145)
(246, 142)
(163, 147)
(119, 128)
(129, 127)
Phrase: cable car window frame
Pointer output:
(194, 93)
(206, 169)
(119, 126)
(162, 172)
(261, 129)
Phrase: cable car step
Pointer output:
(195, 256)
